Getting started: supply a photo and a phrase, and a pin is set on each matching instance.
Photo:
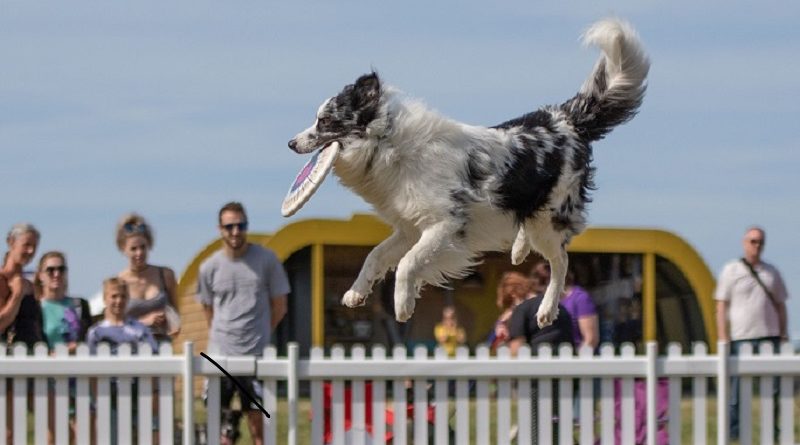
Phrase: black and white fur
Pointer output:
(452, 190)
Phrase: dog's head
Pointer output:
(346, 117)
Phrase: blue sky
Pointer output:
(173, 108)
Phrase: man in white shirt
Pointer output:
(751, 307)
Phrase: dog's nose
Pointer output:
(293, 144)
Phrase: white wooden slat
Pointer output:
(651, 388)
(462, 402)
(699, 394)
(20, 403)
(420, 400)
(378, 400)
(565, 390)
(745, 399)
(723, 384)
(104, 422)
(40, 398)
(337, 401)
(399, 402)
(358, 410)
(674, 412)
(503, 402)
(441, 401)
(317, 400)
(524, 406)
(124, 402)
(766, 388)
(166, 404)
(61, 400)
(786, 397)
(628, 401)
(607, 418)
(544, 400)
(270, 401)
(82, 402)
(482, 401)
(213, 407)
(586, 415)
(144, 401)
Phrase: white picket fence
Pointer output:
(501, 386)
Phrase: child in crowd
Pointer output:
(449, 334)
(115, 328)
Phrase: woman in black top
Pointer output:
(20, 313)
(522, 327)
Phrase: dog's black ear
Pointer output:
(367, 90)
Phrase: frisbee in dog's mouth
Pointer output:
(309, 179)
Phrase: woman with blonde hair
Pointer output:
(151, 288)
(20, 314)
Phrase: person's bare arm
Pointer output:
(722, 320)
(10, 299)
(172, 286)
(590, 330)
(278, 309)
(515, 344)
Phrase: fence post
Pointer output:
(188, 393)
(723, 391)
(291, 386)
(652, 381)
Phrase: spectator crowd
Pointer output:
(243, 289)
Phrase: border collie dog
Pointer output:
(451, 190)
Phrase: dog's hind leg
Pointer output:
(380, 260)
(552, 244)
(424, 264)
(521, 247)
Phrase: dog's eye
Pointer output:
(323, 122)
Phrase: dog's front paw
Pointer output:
(404, 308)
(545, 316)
(354, 299)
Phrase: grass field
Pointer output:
(304, 422)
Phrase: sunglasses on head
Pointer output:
(242, 226)
(51, 270)
(134, 228)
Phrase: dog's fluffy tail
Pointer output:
(612, 94)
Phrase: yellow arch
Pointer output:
(368, 230)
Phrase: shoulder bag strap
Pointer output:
(761, 283)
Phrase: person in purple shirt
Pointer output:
(578, 303)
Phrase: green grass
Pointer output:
(304, 423)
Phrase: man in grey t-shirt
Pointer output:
(243, 288)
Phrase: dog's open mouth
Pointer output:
(310, 178)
